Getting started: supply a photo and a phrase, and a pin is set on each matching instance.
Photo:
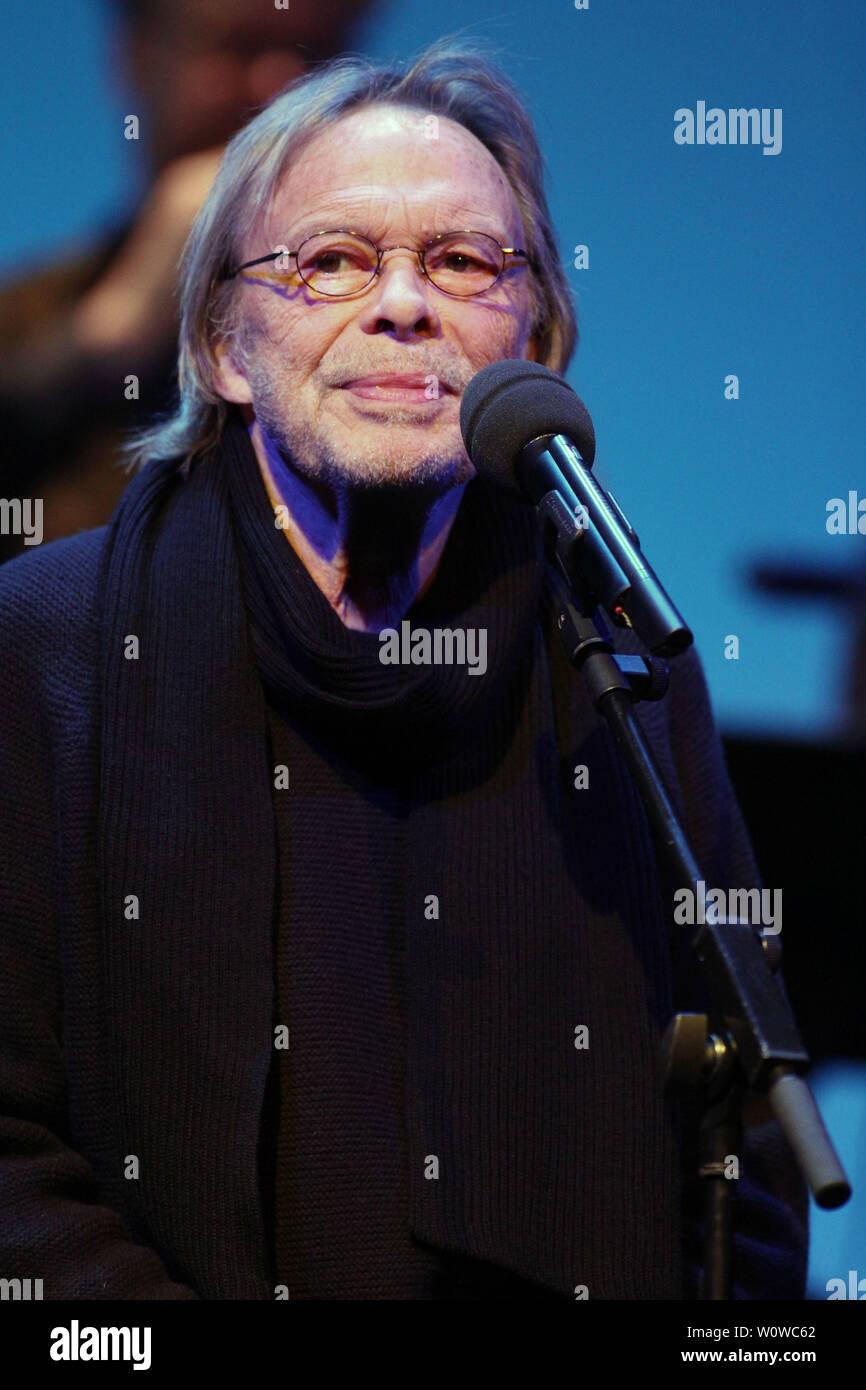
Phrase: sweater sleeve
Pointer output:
(771, 1209)
(53, 1225)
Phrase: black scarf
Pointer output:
(556, 1162)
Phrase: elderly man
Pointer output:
(324, 976)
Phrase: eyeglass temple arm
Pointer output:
(273, 256)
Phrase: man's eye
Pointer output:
(329, 262)
(460, 261)
(336, 261)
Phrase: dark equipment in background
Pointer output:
(805, 805)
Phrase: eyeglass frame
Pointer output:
(380, 251)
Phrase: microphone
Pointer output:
(526, 430)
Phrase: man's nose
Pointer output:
(401, 300)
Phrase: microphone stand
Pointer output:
(750, 1042)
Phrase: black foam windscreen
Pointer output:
(509, 403)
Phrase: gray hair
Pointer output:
(448, 80)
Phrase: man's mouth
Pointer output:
(421, 387)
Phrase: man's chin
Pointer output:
(398, 456)
(431, 473)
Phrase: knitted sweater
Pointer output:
(460, 1161)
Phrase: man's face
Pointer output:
(305, 360)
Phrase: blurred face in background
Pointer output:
(203, 66)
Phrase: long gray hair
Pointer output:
(448, 80)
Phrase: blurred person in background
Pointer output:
(74, 331)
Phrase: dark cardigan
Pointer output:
(431, 1131)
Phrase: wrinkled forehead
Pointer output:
(391, 167)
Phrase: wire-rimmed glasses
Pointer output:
(340, 262)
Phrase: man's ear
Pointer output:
(230, 380)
